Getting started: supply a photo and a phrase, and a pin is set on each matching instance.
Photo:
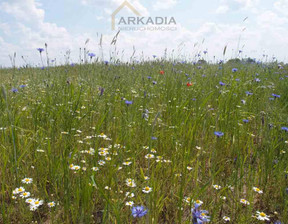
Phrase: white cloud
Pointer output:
(164, 4)
(282, 6)
(222, 9)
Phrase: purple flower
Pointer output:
(234, 69)
(277, 222)
(248, 93)
(218, 133)
(128, 102)
(14, 90)
(205, 52)
(154, 138)
(222, 84)
(138, 211)
(22, 86)
(245, 120)
(257, 80)
(199, 216)
(154, 82)
(284, 129)
(40, 50)
(275, 95)
(154, 56)
(91, 55)
(237, 80)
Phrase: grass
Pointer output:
(54, 122)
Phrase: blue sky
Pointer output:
(65, 25)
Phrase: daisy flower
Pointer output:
(149, 156)
(262, 216)
(256, 189)
(217, 187)
(245, 202)
(25, 194)
(129, 203)
(226, 219)
(147, 189)
(51, 204)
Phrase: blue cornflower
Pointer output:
(234, 69)
(257, 80)
(218, 133)
(277, 222)
(91, 55)
(149, 77)
(138, 211)
(284, 128)
(199, 216)
(222, 84)
(154, 82)
(237, 80)
(14, 90)
(22, 86)
(245, 120)
(40, 50)
(128, 102)
(106, 62)
(205, 52)
(154, 138)
(248, 93)
(275, 95)
(154, 56)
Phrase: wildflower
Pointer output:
(129, 195)
(51, 204)
(257, 190)
(161, 72)
(128, 102)
(102, 135)
(27, 180)
(129, 203)
(138, 211)
(245, 120)
(40, 50)
(91, 55)
(222, 84)
(189, 84)
(25, 194)
(146, 178)
(199, 216)
(245, 202)
(130, 182)
(284, 129)
(149, 156)
(226, 219)
(275, 95)
(29, 200)
(19, 190)
(234, 69)
(127, 163)
(101, 162)
(248, 93)
(198, 203)
(189, 168)
(147, 189)
(14, 90)
(217, 187)
(218, 133)
(262, 216)
(188, 200)
(95, 168)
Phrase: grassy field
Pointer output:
(175, 138)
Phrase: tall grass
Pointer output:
(47, 125)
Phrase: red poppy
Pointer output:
(162, 72)
(189, 84)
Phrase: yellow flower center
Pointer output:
(147, 188)
(262, 214)
(36, 202)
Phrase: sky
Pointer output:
(255, 27)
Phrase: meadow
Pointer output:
(187, 142)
